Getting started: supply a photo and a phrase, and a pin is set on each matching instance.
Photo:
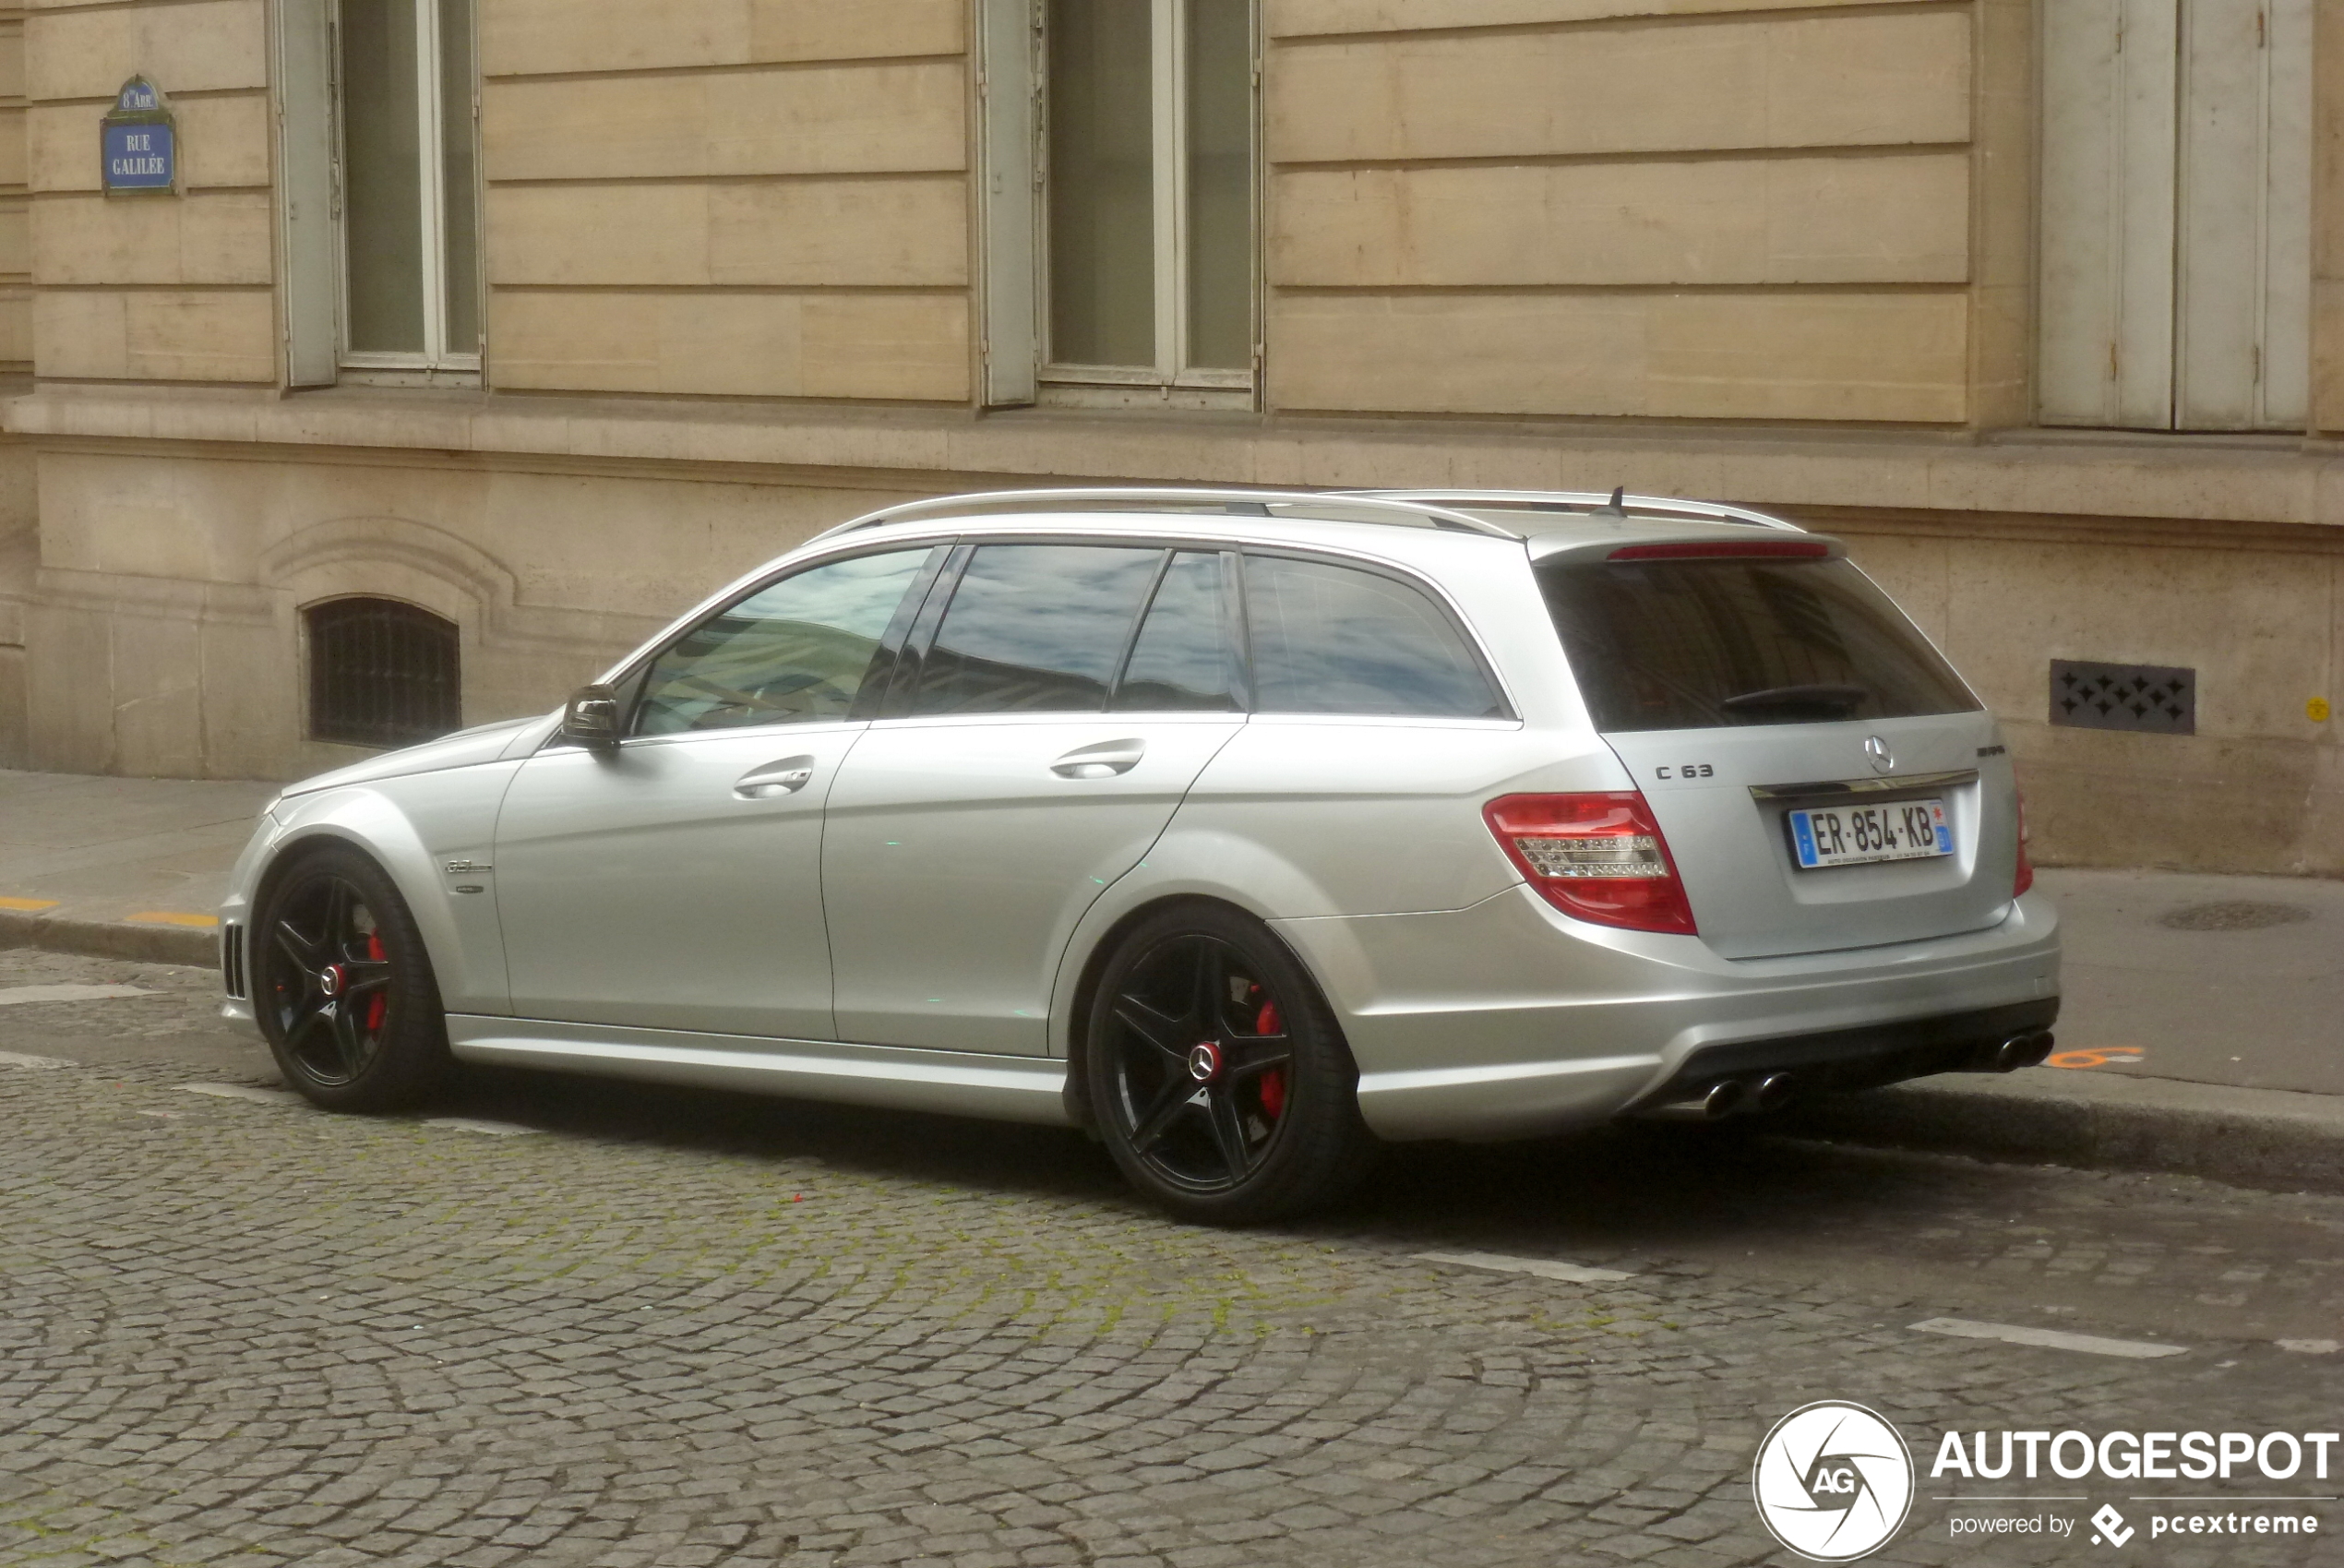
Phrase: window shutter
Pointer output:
(2105, 305)
(1007, 178)
(310, 289)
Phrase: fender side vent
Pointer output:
(231, 959)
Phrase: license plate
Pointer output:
(1863, 835)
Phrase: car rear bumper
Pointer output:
(1507, 1019)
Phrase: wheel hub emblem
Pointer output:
(330, 980)
(1204, 1062)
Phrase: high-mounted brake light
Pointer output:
(1724, 549)
(1597, 858)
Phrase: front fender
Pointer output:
(412, 827)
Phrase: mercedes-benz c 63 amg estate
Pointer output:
(1246, 829)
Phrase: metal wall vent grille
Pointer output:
(2154, 698)
(381, 673)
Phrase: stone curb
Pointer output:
(111, 939)
(2261, 1138)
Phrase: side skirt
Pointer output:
(1004, 1088)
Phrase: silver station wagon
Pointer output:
(1247, 830)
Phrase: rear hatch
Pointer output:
(1823, 778)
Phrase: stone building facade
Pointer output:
(545, 315)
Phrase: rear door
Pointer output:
(1040, 739)
(1823, 777)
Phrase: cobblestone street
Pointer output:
(553, 1322)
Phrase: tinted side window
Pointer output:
(1035, 628)
(1335, 640)
(1181, 662)
(1662, 645)
(791, 652)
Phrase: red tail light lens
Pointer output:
(2026, 866)
(1597, 858)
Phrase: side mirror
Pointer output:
(591, 718)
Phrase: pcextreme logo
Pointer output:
(1833, 1481)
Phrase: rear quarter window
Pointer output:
(1704, 644)
(1330, 639)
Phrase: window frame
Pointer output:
(434, 362)
(1168, 100)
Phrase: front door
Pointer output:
(674, 881)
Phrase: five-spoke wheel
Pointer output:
(343, 988)
(1217, 1076)
(330, 983)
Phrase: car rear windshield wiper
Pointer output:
(1831, 698)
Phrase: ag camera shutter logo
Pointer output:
(1833, 1481)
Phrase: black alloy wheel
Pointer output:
(345, 993)
(1217, 1074)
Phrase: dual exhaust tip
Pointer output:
(1734, 1096)
(1767, 1092)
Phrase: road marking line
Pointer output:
(475, 1124)
(2049, 1339)
(2310, 1346)
(28, 905)
(1545, 1268)
(14, 995)
(243, 1092)
(173, 917)
(18, 1058)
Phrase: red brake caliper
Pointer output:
(1266, 1021)
(380, 1003)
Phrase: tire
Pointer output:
(1218, 1076)
(343, 987)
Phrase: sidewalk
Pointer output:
(2203, 1029)
(121, 867)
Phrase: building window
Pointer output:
(408, 179)
(1148, 222)
(2176, 268)
(381, 673)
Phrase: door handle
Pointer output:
(786, 777)
(1102, 759)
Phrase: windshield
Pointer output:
(1701, 644)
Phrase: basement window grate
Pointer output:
(381, 673)
(2152, 699)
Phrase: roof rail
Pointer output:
(1407, 510)
(1581, 502)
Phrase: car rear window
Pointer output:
(1703, 645)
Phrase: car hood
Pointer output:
(482, 743)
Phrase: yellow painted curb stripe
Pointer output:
(30, 905)
(169, 917)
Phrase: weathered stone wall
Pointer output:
(735, 197)
(152, 288)
(1677, 209)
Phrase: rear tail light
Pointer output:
(2026, 867)
(1597, 858)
